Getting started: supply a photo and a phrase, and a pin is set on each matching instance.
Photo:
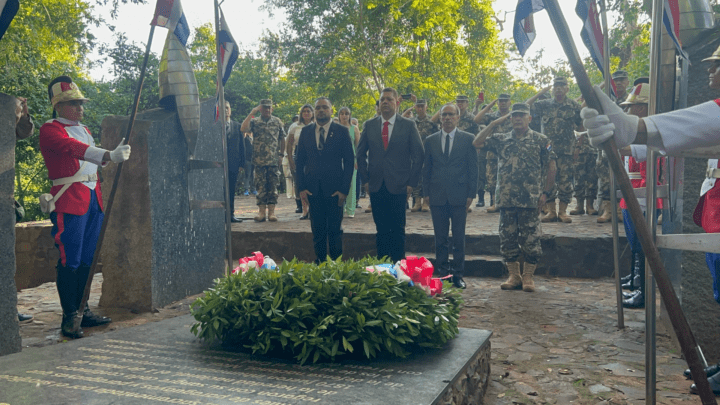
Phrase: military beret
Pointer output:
(504, 96)
(620, 74)
(266, 102)
(520, 108)
(462, 98)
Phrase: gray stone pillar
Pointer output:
(155, 250)
(10, 341)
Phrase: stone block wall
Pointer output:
(156, 251)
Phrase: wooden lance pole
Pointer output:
(118, 172)
(687, 341)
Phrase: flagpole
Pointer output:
(613, 195)
(118, 172)
(677, 317)
(223, 119)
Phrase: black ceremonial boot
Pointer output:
(638, 298)
(710, 370)
(638, 273)
(67, 290)
(714, 381)
(88, 318)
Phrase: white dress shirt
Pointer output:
(444, 136)
(391, 125)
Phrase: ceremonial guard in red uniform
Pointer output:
(75, 200)
(689, 128)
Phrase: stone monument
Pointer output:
(157, 250)
(10, 341)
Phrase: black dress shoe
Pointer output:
(458, 282)
(236, 219)
(298, 210)
(481, 202)
(89, 319)
(304, 216)
(357, 206)
(714, 381)
(710, 370)
(24, 317)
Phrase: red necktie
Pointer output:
(385, 134)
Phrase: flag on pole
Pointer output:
(8, 9)
(524, 28)
(591, 34)
(228, 49)
(671, 19)
(169, 14)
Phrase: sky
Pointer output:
(247, 23)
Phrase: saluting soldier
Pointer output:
(602, 166)
(426, 127)
(268, 146)
(523, 156)
(560, 118)
(485, 117)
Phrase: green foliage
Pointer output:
(312, 312)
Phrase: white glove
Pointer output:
(121, 153)
(614, 122)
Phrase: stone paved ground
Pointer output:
(559, 345)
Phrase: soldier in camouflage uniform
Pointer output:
(560, 117)
(485, 118)
(585, 176)
(268, 146)
(523, 155)
(602, 167)
(425, 128)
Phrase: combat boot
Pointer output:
(528, 285)
(417, 206)
(590, 206)
(551, 215)
(271, 213)
(562, 213)
(514, 282)
(261, 214)
(426, 204)
(606, 215)
(580, 209)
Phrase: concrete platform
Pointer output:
(580, 249)
(163, 362)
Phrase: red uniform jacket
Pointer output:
(634, 167)
(63, 154)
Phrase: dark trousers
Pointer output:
(326, 224)
(442, 217)
(388, 211)
(233, 169)
(250, 177)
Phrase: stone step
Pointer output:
(475, 265)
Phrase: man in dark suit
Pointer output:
(235, 157)
(390, 158)
(450, 175)
(324, 166)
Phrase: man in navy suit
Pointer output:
(390, 158)
(324, 165)
(235, 156)
(450, 176)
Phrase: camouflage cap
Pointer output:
(620, 74)
(560, 81)
(640, 94)
(504, 96)
(266, 102)
(520, 108)
(462, 98)
(421, 101)
(715, 56)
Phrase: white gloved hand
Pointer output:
(121, 153)
(613, 122)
